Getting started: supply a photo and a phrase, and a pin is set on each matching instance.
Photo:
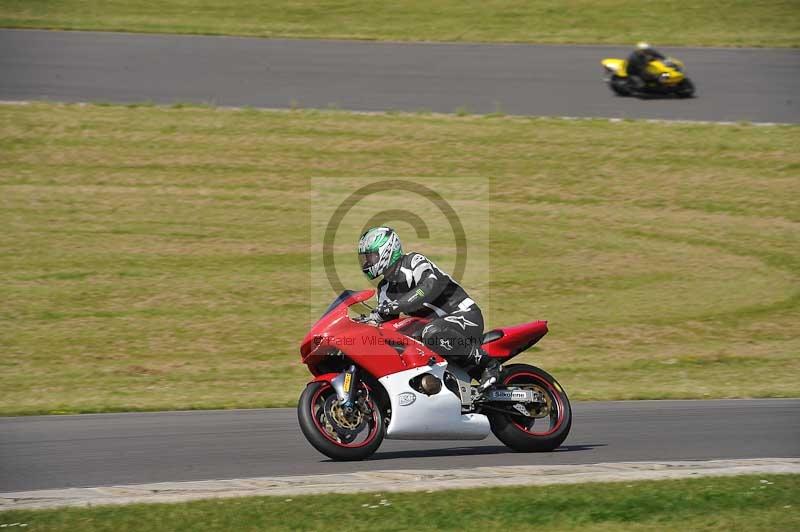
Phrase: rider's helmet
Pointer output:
(645, 50)
(378, 249)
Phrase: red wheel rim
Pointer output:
(554, 395)
(371, 436)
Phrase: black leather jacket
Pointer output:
(639, 59)
(421, 289)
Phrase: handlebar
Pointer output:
(363, 318)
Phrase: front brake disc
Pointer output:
(347, 427)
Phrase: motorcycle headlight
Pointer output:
(665, 75)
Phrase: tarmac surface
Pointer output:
(758, 85)
(46, 452)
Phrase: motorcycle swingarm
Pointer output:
(505, 395)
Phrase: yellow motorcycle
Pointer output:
(665, 77)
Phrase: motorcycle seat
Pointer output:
(491, 336)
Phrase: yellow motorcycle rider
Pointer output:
(637, 64)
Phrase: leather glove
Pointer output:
(387, 310)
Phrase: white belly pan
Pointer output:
(430, 417)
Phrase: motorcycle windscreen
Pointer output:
(338, 301)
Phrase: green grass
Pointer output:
(701, 23)
(158, 258)
(727, 503)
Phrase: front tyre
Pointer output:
(685, 89)
(332, 431)
(548, 426)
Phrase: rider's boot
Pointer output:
(490, 367)
(491, 373)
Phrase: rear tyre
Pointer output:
(550, 426)
(619, 86)
(331, 431)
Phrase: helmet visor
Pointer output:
(368, 260)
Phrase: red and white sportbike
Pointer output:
(375, 380)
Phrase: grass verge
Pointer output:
(721, 503)
(158, 258)
(701, 23)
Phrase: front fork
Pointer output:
(345, 385)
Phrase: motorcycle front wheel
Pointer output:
(686, 89)
(547, 426)
(338, 434)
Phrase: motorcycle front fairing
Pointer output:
(379, 349)
(668, 71)
(394, 359)
(316, 344)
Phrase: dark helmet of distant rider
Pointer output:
(378, 250)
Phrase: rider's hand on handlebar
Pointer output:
(369, 319)
(387, 309)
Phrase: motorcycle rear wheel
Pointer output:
(619, 86)
(543, 433)
(320, 429)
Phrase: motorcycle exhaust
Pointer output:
(427, 384)
(430, 384)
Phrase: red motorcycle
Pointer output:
(374, 380)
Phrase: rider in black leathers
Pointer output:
(415, 286)
(638, 61)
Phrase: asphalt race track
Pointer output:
(108, 449)
(759, 85)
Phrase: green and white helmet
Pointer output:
(378, 249)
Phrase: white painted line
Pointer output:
(394, 481)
